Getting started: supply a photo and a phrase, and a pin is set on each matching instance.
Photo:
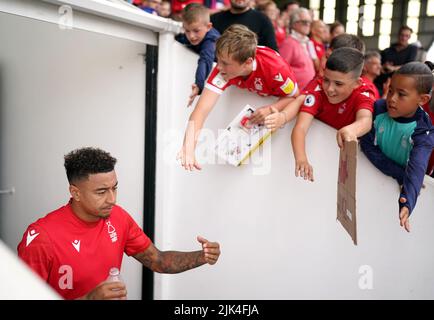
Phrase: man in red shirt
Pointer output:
(371, 70)
(319, 35)
(243, 64)
(74, 247)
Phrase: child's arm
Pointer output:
(298, 138)
(358, 128)
(277, 119)
(195, 123)
(204, 66)
(379, 159)
(414, 175)
(262, 112)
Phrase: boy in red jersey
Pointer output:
(244, 64)
(340, 99)
(74, 247)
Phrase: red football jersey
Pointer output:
(319, 48)
(336, 115)
(74, 256)
(271, 75)
(371, 86)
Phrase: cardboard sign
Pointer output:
(346, 206)
(240, 138)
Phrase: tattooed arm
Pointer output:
(176, 261)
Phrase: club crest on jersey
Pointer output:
(258, 84)
(218, 81)
(309, 101)
(111, 231)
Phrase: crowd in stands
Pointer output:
(316, 71)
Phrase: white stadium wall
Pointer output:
(278, 233)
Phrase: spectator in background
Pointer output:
(200, 36)
(287, 9)
(269, 8)
(179, 5)
(395, 56)
(319, 35)
(371, 70)
(164, 10)
(150, 6)
(241, 13)
(297, 49)
(336, 28)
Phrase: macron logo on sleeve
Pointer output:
(31, 235)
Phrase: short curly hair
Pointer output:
(80, 163)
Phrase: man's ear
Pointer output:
(75, 192)
(209, 26)
(424, 99)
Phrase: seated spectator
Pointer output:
(200, 36)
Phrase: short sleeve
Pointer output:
(365, 100)
(137, 240)
(215, 82)
(35, 249)
(312, 103)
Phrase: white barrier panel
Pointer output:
(279, 235)
(19, 282)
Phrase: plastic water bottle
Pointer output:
(114, 276)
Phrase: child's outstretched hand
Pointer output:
(188, 160)
(275, 120)
(404, 216)
(194, 93)
(304, 170)
(345, 134)
(259, 115)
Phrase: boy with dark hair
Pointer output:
(74, 247)
(201, 37)
(240, 62)
(340, 100)
(402, 137)
(277, 120)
